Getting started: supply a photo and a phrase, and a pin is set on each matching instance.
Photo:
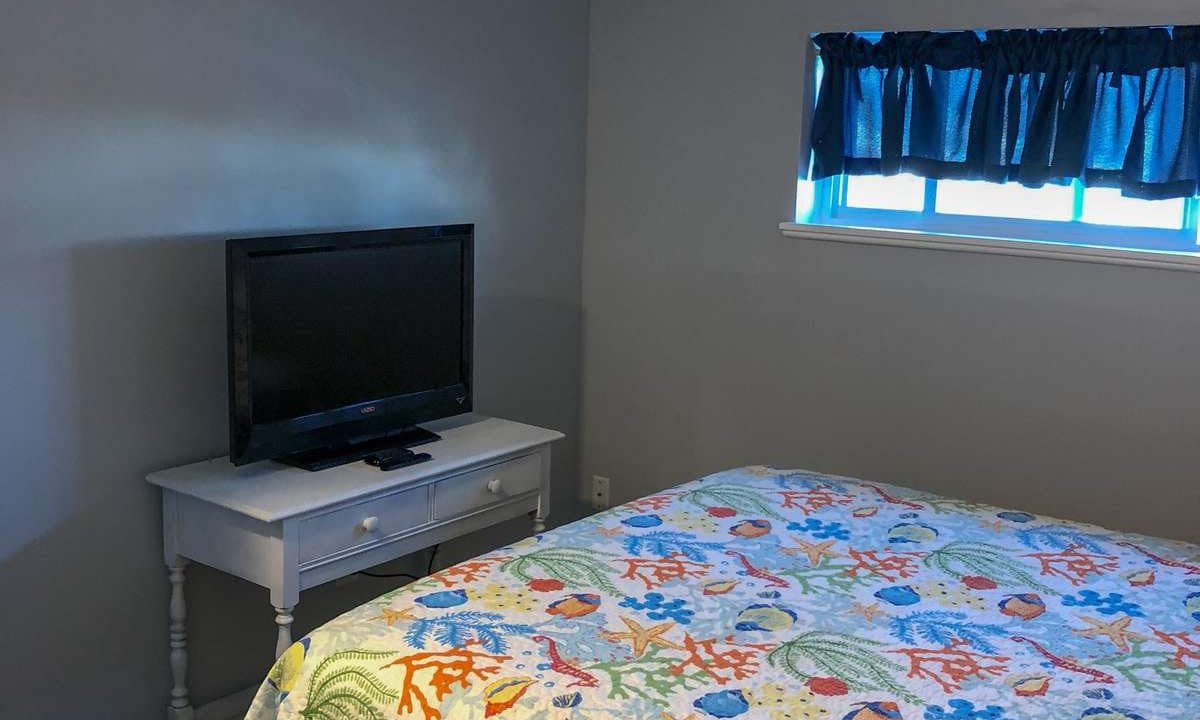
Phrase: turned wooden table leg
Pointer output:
(180, 707)
(283, 618)
(539, 519)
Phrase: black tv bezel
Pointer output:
(363, 421)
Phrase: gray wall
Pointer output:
(134, 138)
(711, 341)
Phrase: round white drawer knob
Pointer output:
(494, 486)
(370, 524)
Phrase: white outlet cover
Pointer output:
(600, 488)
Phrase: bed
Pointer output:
(775, 594)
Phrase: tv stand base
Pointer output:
(325, 458)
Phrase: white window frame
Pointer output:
(829, 208)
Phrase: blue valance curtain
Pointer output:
(1116, 107)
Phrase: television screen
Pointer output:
(340, 327)
(339, 338)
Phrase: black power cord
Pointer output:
(410, 576)
(388, 575)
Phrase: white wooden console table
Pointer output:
(288, 529)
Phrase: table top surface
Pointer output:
(271, 491)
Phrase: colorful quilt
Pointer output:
(773, 594)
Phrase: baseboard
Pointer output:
(230, 707)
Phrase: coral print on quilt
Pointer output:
(775, 595)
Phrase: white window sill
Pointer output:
(1189, 262)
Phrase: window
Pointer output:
(1063, 213)
(1069, 213)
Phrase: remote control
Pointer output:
(396, 459)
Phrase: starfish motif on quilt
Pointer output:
(609, 533)
(391, 617)
(642, 637)
(868, 612)
(813, 551)
(1117, 631)
(669, 716)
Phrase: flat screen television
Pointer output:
(340, 343)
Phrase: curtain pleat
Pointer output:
(1114, 107)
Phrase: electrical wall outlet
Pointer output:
(600, 492)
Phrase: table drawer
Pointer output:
(362, 523)
(479, 488)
